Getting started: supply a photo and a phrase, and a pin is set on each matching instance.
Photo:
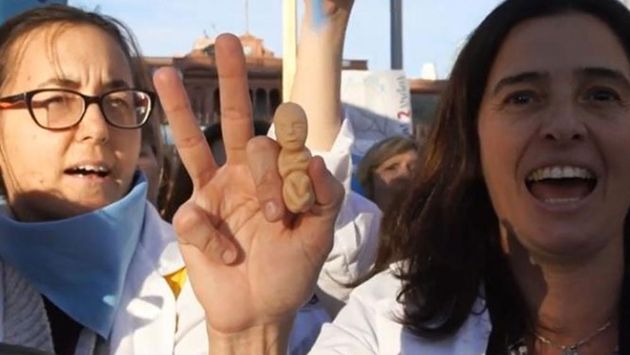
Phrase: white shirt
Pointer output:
(356, 228)
(367, 325)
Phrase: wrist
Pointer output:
(266, 339)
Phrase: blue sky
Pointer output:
(433, 29)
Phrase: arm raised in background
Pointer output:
(251, 264)
(317, 82)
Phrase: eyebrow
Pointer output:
(583, 73)
(116, 84)
(63, 82)
(74, 84)
(604, 73)
(527, 77)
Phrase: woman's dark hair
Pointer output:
(15, 28)
(446, 230)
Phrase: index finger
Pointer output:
(191, 144)
(236, 111)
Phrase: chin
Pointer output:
(46, 206)
(564, 241)
(74, 207)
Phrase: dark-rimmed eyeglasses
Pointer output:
(58, 109)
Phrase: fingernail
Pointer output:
(228, 256)
(271, 210)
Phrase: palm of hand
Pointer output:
(276, 258)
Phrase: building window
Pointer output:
(274, 100)
(261, 106)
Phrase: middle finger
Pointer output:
(236, 112)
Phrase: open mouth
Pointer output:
(561, 184)
(88, 171)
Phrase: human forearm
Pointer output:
(318, 78)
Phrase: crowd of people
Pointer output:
(504, 233)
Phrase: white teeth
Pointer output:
(561, 200)
(98, 169)
(560, 172)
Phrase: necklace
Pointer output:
(573, 349)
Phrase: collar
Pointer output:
(79, 263)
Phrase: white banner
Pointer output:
(379, 105)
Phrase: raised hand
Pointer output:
(251, 263)
(318, 77)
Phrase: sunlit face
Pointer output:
(58, 174)
(393, 176)
(291, 132)
(554, 127)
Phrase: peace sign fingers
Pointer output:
(190, 142)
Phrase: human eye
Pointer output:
(521, 98)
(391, 167)
(602, 95)
(52, 99)
(119, 101)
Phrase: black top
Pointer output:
(65, 330)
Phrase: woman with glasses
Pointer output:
(87, 265)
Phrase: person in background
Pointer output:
(386, 170)
(521, 203)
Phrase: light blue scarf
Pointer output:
(79, 263)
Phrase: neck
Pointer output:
(569, 301)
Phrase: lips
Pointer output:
(561, 184)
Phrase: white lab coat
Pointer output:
(146, 320)
(149, 320)
(367, 325)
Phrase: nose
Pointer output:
(564, 124)
(93, 126)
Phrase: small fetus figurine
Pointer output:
(291, 129)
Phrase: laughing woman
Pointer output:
(513, 240)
